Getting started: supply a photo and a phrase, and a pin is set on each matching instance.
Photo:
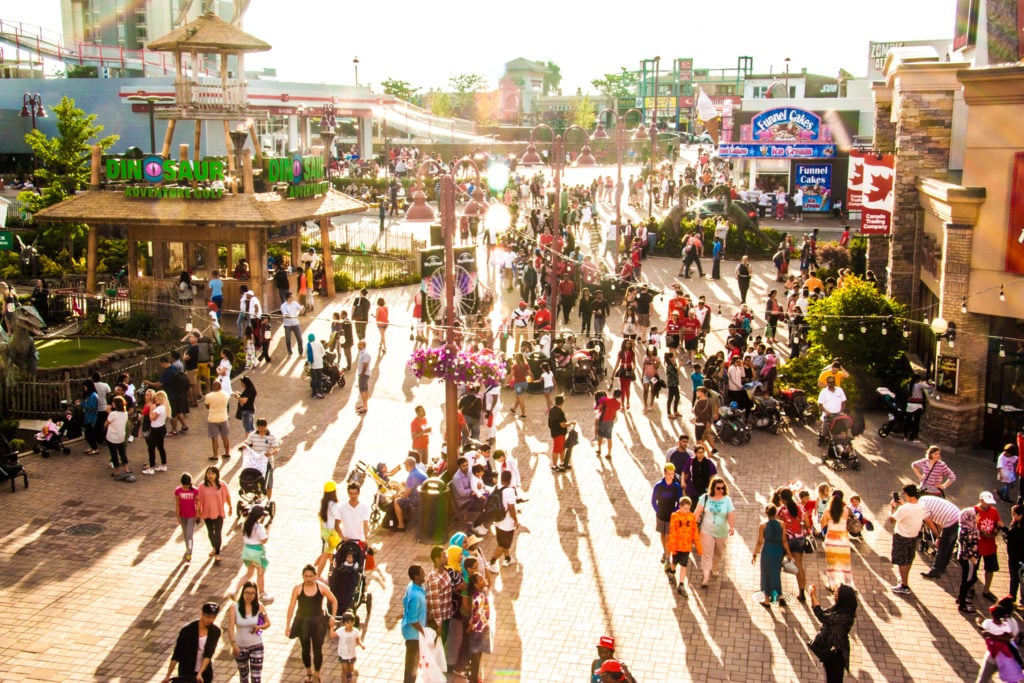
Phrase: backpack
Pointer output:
(179, 383)
(494, 510)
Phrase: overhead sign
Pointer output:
(877, 202)
(167, 178)
(855, 181)
(778, 151)
(787, 124)
(6, 240)
(816, 182)
(306, 176)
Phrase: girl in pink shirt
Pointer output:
(185, 501)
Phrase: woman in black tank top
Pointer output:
(310, 624)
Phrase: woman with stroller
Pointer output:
(247, 620)
(212, 501)
(838, 570)
(308, 623)
(90, 409)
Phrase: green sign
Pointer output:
(6, 240)
(155, 169)
(306, 176)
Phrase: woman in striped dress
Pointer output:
(837, 544)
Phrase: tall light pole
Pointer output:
(787, 77)
(355, 66)
(654, 141)
(32, 107)
(620, 140)
(151, 101)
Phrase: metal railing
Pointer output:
(364, 236)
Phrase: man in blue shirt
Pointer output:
(408, 500)
(217, 291)
(665, 499)
(414, 618)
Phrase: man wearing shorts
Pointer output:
(505, 529)
(908, 518)
(691, 331)
(363, 373)
(606, 412)
(989, 525)
(665, 500)
(217, 419)
(559, 428)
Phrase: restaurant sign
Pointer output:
(777, 151)
(155, 170)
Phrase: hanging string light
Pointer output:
(840, 335)
(963, 305)
(863, 328)
(1002, 294)
(1002, 349)
(906, 330)
(885, 330)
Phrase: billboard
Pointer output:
(877, 199)
(816, 182)
(965, 31)
(1015, 233)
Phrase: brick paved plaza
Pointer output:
(108, 607)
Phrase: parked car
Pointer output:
(698, 138)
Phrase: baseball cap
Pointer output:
(211, 608)
(607, 642)
(987, 497)
(610, 666)
(522, 303)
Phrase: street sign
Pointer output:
(6, 240)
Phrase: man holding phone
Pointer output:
(908, 515)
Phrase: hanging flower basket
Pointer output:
(464, 367)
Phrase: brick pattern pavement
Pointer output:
(108, 607)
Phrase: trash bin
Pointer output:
(433, 511)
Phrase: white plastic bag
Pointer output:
(432, 661)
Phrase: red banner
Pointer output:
(1015, 233)
(877, 194)
(855, 181)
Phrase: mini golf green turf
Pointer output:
(77, 350)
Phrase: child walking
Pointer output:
(548, 378)
(348, 638)
(1006, 473)
(683, 538)
(251, 359)
(185, 497)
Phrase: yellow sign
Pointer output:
(662, 103)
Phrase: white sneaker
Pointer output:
(161, 468)
(266, 598)
(148, 470)
(508, 562)
(480, 530)
(130, 438)
(494, 568)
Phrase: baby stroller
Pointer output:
(730, 425)
(347, 579)
(839, 451)
(595, 347)
(794, 405)
(766, 414)
(252, 489)
(583, 378)
(382, 506)
(333, 376)
(50, 438)
(10, 466)
(899, 420)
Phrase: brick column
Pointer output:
(923, 115)
(885, 142)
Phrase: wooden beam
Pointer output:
(325, 246)
(168, 139)
(257, 149)
(91, 259)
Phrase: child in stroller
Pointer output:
(858, 521)
(252, 486)
(347, 578)
(839, 451)
(383, 498)
(50, 437)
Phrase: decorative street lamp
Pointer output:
(327, 126)
(654, 141)
(420, 211)
(355, 65)
(32, 107)
(787, 76)
(620, 140)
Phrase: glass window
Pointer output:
(175, 259)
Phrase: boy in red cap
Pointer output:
(606, 668)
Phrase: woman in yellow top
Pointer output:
(330, 526)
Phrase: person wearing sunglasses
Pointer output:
(195, 647)
(715, 515)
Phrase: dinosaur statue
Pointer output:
(18, 356)
(28, 256)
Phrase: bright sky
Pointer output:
(315, 40)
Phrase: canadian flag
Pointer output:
(855, 182)
(877, 194)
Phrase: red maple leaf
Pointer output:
(858, 177)
(880, 187)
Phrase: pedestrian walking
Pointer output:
(716, 514)
(479, 627)
(967, 557)
(116, 425)
(93, 426)
(254, 549)
(247, 620)
(348, 639)
(605, 410)
(290, 311)
(246, 411)
(559, 427)
(216, 286)
(665, 500)
(361, 313)
(772, 545)
(185, 497)
(306, 620)
(156, 412)
(217, 426)
(213, 504)
(363, 374)
(381, 316)
(839, 570)
(195, 647)
(908, 515)
(330, 526)
(505, 528)
(315, 358)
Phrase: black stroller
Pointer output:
(730, 425)
(794, 405)
(900, 421)
(839, 451)
(347, 579)
(583, 379)
(252, 491)
(10, 466)
(595, 346)
(766, 414)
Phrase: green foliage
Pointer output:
(112, 254)
(553, 79)
(832, 258)
(139, 325)
(616, 86)
(403, 90)
(78, 71)
(343, 282)
(859, 255)
(584, 113)
(18, 445)
(441, 105)
(8, 428)
(64, 168)
(464, 86)
(237, 348)
(802, 372)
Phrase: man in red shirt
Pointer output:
(989, 525)
(566, 296)
(420, 434)
(679, 302)
(607, 409)
(691, 330)
(542, 318)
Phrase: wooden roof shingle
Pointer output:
(207, 34)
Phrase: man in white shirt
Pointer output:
(908, 518)
(290, 311)
(354, 516)
(944, 521)
(798, 205)
(521, 324)
(363, 375)
(505, 529)
(832, 401)
(315, 357)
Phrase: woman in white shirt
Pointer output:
(224, 371)
(247, 620)
(117, 435)
(254, 550)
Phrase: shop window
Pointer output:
(176, 261)
(1004, 386)
(144, 265)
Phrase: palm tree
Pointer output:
(552, 78)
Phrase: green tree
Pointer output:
(617, 85)
(585, 113)
(403, 90)
(63, 169)
(552, 78)
(463, 86)
(441, 105)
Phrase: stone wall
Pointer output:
(1002, 31)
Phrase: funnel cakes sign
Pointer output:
(783, 133)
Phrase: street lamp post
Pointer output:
(654, 141)
(620, 140)
(787, 77)
(32, 107)
(421, 211)
(150, 101)
(355, 66)
(327, 127)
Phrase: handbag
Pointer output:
(810, 544)
(789, 566)
(571, 439)
(820, 646)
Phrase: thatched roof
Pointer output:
(269, 209)
(208, 34)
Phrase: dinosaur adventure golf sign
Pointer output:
(153, 177)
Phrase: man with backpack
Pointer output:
(505, 528)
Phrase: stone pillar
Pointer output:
(922, 111)
(884, 141)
